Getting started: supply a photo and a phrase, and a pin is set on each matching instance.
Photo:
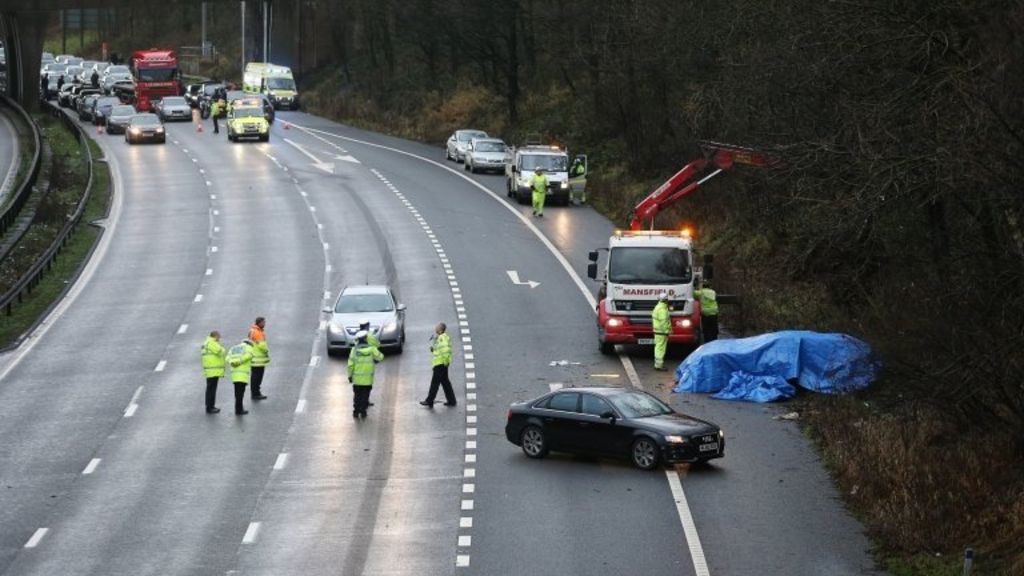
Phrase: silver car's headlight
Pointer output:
(390, 327)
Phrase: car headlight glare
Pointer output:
(159, 130)
(564, 185)
(684, 323)
(675, 439)
(615, 322)
(135, 130)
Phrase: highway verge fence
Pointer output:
(31, 278)
(24, 188)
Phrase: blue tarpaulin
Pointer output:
(761, 368)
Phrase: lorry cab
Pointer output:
(526, 160)
(641, 265)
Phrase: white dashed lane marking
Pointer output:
(36, 538)
(91, 467)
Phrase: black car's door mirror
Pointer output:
(592, 270)
(608, 415)
(592, 256)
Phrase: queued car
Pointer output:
(114, 74)
(375, 304)
(84, 106)
(66, 95)
(71, 74)
(459, 141)
(613, 422)
(208, 92)
(172, 108)
(120, 116)
(487, 154)
(247, 122)
(145, 127)
(101, 108)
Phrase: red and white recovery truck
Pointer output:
(643, 263)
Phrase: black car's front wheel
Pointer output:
(534, 444)
(645, 454)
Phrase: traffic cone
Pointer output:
(199, 127)
(99, 128)
(285, 125)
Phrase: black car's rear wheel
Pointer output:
(534, 444)
(645, 454)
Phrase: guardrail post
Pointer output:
(968, 561)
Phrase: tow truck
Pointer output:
(643, 263)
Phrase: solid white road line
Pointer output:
(36, 537)
(251, 532)
(91, 467)
(700, 565)
(696, 551)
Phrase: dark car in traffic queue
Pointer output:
(612, 422)
(145, 127)
(101, 108)
(84, 106)
(120, 117)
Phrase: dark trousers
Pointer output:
(257, 380)
(211, 392)
(239, 396)
(216, 126)
(710, 327)
(360, 398)
(440, 378)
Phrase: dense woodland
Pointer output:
(895, 214)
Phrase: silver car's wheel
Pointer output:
(533, 442)
(645, 454)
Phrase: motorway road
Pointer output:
(8, 154)
(108, 464)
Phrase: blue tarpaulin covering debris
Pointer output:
(763, 368)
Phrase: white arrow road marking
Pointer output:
(325, 166)
(347, 158)
(514, 276)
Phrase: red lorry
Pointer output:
(156, 75)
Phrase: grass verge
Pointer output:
(80, 244)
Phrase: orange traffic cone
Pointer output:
(285, 124)
(99, 128)
(199, 127)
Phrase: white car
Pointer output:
(459, 141)
(487, 154)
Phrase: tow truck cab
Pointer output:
(642, 265)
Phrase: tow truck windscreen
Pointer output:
(157, 74)
(649, 266)
(364, 303)
(281, 84)
(550, 163)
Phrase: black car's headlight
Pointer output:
(675, 439)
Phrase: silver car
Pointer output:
(459, 141)
(119, 118)
(173, 108)
(487, 154)
(358, 304)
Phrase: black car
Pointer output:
(85, 106)
(101, 108)
(617, 422)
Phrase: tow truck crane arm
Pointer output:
(717, 157)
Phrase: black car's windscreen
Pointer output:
(638, 405)
(649, 266)
(364, 303)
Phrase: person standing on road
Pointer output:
(60, 82)
(213, 356)
(215, 109)
(708, 310)
(95, 79)
(240, 359)
(441, 350)
(260, 356)
(540, 191)
(662, 324)
(44, 86)
(362, 363)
